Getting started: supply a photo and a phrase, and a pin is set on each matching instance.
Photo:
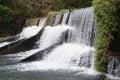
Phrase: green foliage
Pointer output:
(6, 14)
(76, 3)
(106, 18)
(6, 2)
(71, 4)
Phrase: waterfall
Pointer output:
(84, 26)
(64, 46)
(66, 43)
(77, 39)
(70, 54)
(114, 66)
(33, 29)
(55, 20)
(52, 35)
(27, 32)
(65, 18)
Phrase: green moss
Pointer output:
(106, 18)
(6, 14)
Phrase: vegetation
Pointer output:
(107, 18)
(76, 3)
(13, 14)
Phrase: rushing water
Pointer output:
(10, 69)
(71, 59)
(27, 32)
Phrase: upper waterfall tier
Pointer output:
(83, 23)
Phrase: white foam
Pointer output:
(29, 31)
(68, 54)
(52, 35)
(4, 44)
(111, 77)
(65, 57)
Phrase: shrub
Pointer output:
(107, 24)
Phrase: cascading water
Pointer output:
(65, 18)
(64, 47)
(52, 35)
(34, 29)
(68, 55)
(114, 66)
(25, 34)
(77, 39)
(83, 24)
(55, 20)
(82, 33)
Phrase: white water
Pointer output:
(52, 35)
(67, 54)
(84, 28)
(114, 66)
(55, 20)
(76, 53)
(4, 43)
(28, 32)
(65, 57)
(32, 30)
(65, 16)
(42, 22)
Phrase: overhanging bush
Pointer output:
(106, 12)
